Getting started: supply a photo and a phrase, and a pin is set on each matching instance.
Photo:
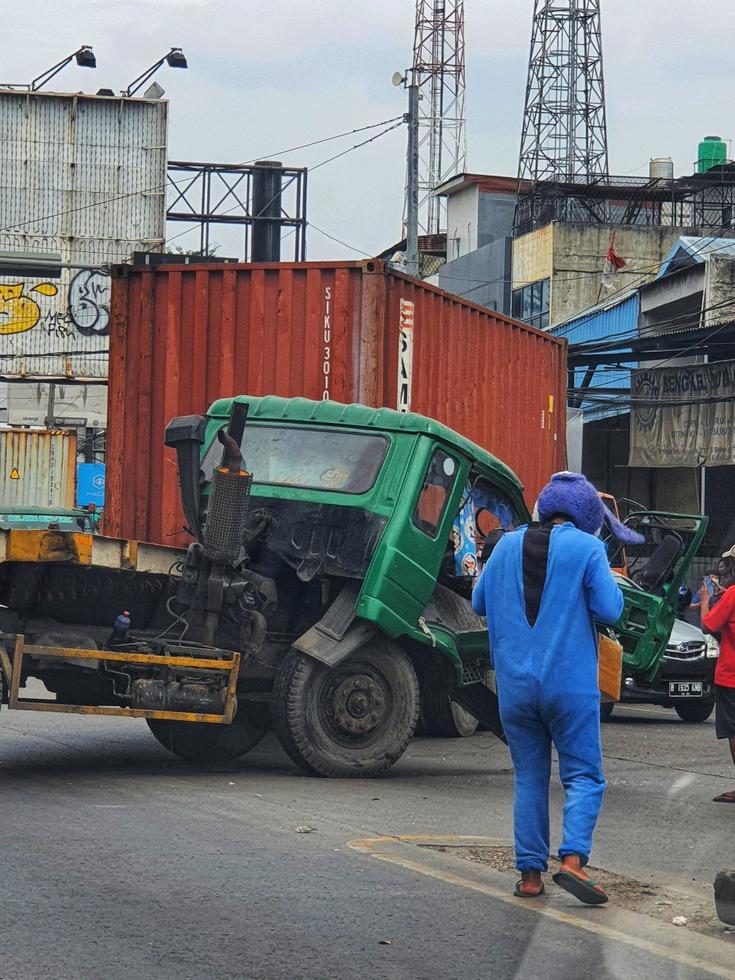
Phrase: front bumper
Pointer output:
(672, 669)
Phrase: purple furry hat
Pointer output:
(572, 495)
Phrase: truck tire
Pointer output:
(354, 720)
(214, 744)
(695, 712)
(443, 718)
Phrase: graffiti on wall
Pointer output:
(89, 302)
(19, 312)
(86, 310)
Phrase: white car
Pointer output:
(685, 679)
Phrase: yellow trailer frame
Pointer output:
(78, 548)
(12, 669)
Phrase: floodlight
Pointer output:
(83, 56)
(175, 59)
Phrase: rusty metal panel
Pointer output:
(183, 336)
(83, 177)
(499, 382)
(37, 468)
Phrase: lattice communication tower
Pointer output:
(564, 136)
(438, 70)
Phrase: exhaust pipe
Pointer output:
(229, 498)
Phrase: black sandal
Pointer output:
(586, 890)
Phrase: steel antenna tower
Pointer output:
(438, 71)
(564, 124)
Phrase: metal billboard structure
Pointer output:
(82, 185)
(264, 198)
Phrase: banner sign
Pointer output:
(683, 416)
(405, 355)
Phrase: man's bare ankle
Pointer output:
(571, 862)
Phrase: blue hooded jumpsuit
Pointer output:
(547, 682)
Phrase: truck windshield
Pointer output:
(314, 459)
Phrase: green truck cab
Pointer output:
(336, 547)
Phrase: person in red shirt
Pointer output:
(720, 618)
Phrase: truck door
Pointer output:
(656, 569)
(403, 573)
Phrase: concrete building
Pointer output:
(480, 211)
(559, 270)
(695, 287)
(683, 318)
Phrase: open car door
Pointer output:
(656, 568)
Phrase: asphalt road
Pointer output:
(118, 861)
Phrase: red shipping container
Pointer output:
(183, 336)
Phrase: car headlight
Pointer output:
(713, 647)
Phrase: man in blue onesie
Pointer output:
(542, 591)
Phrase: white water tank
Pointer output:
(661, 168)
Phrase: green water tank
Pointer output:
(712, 152)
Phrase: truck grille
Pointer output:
(686, 651)
(473, 672)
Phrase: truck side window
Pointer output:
(435, 493)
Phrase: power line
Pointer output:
(614, 340)
(339, 241)
(623, 400)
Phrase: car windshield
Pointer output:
(314, 459)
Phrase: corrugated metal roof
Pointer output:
(690, 249)
(566, 327)
(618, 318)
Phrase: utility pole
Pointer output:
(412, 180)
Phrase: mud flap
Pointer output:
(481, 702)
(338, 633)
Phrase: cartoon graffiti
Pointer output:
(89, 302)
(19, 312)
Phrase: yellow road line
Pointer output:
(371, 845)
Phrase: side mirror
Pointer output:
(185, 434)
(685, 598)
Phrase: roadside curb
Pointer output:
(711, 956)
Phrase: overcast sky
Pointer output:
(271, 74)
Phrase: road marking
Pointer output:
(372, 845)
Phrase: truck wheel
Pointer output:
(695, 711)
(353, 720)
(444, 718)
(215, 744)
(606, 710)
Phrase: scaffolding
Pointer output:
(703, 202)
